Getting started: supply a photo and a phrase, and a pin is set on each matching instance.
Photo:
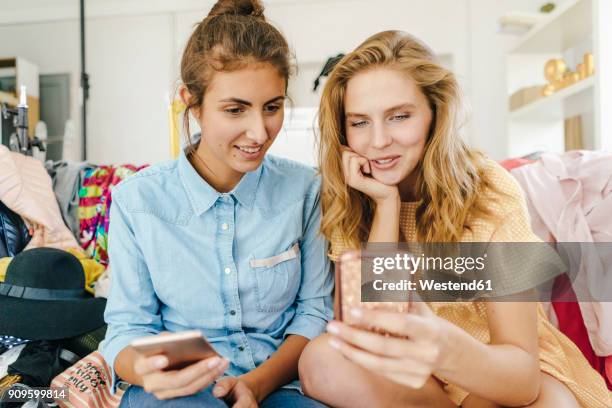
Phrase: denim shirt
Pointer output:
(247, 268)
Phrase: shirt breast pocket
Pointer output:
(277, 279)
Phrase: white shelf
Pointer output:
(551, 108)
(564, 28)
(572, 29)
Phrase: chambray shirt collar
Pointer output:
(246, 190)
(202, 195)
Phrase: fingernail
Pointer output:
(214, 362)
(160, 362)
(334, 343)
(333, 328)
(357, 313)
(217, 390)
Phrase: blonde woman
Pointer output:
(395, 168)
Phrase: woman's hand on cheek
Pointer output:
(409, 361)
(357, 172)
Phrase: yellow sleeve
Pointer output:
(336, 246)
(509, 221)
(518, 259)
(516, 225)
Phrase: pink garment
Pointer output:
(514, 163)
(26, 188)
(569, 197)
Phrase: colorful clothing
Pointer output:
(94, 204)
(569, 197)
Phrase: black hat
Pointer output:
(43, 297)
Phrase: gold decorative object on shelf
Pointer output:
(547, 8)
(525, 96)
(559, 77)
(587, 67)
(572, 130)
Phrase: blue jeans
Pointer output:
(136, 397)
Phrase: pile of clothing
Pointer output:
(53, 265)
(569, 198)
(83, 192)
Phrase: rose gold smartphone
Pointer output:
(181, 349)
(348, 292)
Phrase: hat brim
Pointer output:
(50, 320)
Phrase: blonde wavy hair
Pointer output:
(450, 176)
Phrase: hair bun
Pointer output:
(252, 8)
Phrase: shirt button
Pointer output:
(227, 271)
(224, 226)
(241, 348)
(232, 312)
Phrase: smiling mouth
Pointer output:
(385, 163)
(250, 149)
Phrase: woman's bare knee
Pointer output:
(311, 367)
(329, 377)
(553, 393)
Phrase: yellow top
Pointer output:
(559, 356)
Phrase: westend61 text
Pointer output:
(432, 285)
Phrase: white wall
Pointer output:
(130, 65)
(319, 30)
(487, 86)
(134, 47)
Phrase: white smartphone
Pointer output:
(181, 348)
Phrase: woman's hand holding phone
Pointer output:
(357, 174)
(165, 383)
(422, 350)
(177, 383)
